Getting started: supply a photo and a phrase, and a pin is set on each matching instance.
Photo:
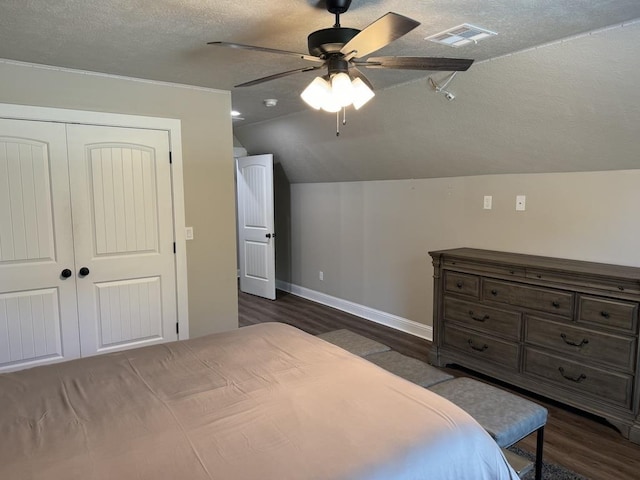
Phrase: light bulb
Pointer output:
(361, 93)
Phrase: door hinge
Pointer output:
(177, 328)
(174, 247)
(170, 157)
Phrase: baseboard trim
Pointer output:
(362, 311)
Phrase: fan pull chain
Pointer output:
(344, 120)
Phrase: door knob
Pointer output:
(83, 272)
(66, 273)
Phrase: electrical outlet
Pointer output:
(321, 275)
(488, 201)
(521, 203)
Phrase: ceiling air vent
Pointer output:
(461, 35)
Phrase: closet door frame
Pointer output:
(170, 125)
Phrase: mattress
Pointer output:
(261, 402)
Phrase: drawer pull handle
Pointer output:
(578, 379)
(459, 285)
(555, 304)
(494, 292)
(605, 314)
(574, 344)
(478, 349)
(478, 319)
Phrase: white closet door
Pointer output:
(123, 234)
(38, 310)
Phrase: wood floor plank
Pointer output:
(577, 440)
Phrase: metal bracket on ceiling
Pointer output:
(441, 88)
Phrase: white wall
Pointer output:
(207, 166)
(371, 239)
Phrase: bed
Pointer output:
(261, 402)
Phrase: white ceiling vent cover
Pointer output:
(461, 35)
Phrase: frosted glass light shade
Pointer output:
(317, 94)
(342, 89)
(361, 93)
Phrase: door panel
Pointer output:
(38, 309)
(121, 189)
(32, 323)
(129, 309)
(123, 193)
(255, 225)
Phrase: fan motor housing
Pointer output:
(329, 40)
(338, 6)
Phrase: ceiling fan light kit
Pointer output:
(340, 92)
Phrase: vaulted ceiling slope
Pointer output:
(565, 107)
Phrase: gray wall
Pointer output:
(371, 239)
(207, 161)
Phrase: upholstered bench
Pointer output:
(508, 418)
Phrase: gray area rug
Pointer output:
(423, 374)
(354, 343)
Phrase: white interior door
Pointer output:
(256, 237)
(38, 309)
(123, 233)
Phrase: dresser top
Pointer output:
(540, 262)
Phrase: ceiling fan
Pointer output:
(342, 50)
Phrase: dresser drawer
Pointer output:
(576, 376)
(615, 350)
(482, 346)
(481, 317)
(485, 268)
(609, 313)
(543, 299)
(462, 283)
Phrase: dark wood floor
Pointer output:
(580, 442)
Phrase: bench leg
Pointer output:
(539, 445)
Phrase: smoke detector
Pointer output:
(270, 102)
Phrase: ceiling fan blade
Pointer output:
(380, 33)
(358, 74)
(303, 56)
(418, 63)
(278, 75)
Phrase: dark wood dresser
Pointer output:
(564, 329)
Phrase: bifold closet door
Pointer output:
(123, 235)
(38, 308)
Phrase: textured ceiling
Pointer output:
(166, 40)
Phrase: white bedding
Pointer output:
(262, 402)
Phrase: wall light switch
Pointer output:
(188, 233)
(521, 203)
(488, 200)
(321, 275)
